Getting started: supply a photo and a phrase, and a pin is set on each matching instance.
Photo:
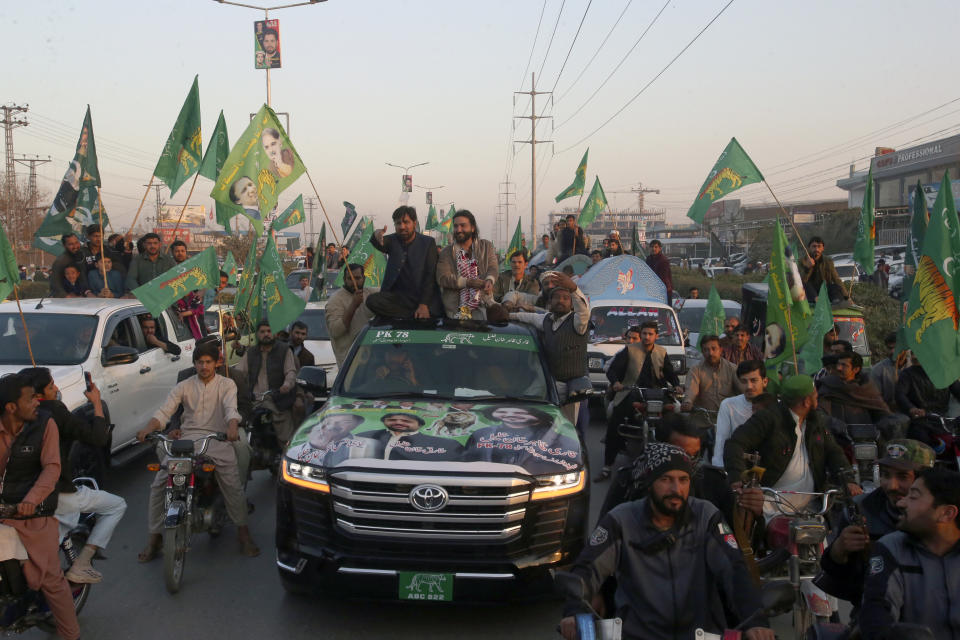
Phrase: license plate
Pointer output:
(435, 587)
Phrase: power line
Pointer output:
(533, 47)
(619, 64)
(597, 52)
(552, 35)
(654, 79)
(570, 50)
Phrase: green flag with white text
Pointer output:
(594, 205)
(364, 253)
(183, 150)
(230, 268)
(199, 272)
(811, 354)
(733, 169)
(516, 243)
(9, 272)
(788, 312)
(930, 328)
(291, 215)
(282, 305)
(866, 230)
(262, 163)
(579, 181)
(713, 316)
(318, 275)
(217, 151)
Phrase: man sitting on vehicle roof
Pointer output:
(515, 284)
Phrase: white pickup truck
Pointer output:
(101, 337)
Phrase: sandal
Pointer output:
(85, 575)
(604, 475)
(249, 548)
(151, 552)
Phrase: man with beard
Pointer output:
(271, 46)
(661, 266)
(676, 561)
(852, 398)
(401, 440)
(913, 574)
(523, 436)
(514, 288)
(149, 264)
(844, 563)
(298, 333)
(712, 381)
(815, 269)
(738, 348)
(917, 396)
(74, 254)
(346, 312)
(272, 367)
(466, 271)
(409, 288)
(614, 248)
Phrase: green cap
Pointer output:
(796, 387)
(908, 455)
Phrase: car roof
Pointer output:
(78, 306)
(447, 324)
(702, 302)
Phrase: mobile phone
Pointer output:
(89, 380)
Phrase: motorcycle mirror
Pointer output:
(777, 597)
(903, 631)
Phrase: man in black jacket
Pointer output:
(666, 534)
(75, 500)
(409, 288)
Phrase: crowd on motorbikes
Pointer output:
(739, 488)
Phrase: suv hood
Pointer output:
(533, 436)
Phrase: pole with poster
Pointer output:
(266, 42)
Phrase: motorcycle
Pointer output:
(192, 500)
(265, 446)
(862, 449)
(944, 436)
(649, 406)
(796, 535)
(21, 608)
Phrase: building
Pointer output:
(621, 220)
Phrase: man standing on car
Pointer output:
(466, 271)
(209, 405)
(677, 563)
(409, 288)
(346, 312)
(30, 467)
(74, 254)
(661, 266)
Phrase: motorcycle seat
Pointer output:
(181, 447)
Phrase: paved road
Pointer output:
(226, 595)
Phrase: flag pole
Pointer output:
(184, 208)
(332, 229)
(793, 342)
(142, 200)
(789, 219)
(103, 266)
(26, 332)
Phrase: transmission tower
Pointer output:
(10, 122)
(505, 203)
(533, 142)
(29, 215)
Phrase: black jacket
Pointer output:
(668, 583)
(772, 433)
(916, 391)
(419, 261)
(73, 428)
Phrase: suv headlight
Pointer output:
(561, 484)
(303, 475)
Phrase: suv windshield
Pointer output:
(446, 364)
(56, 339)
(609, 323)
(316, 321)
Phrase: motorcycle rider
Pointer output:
(734, 411)
(209, 405)
(843, 565)
(645, 365)
(668, 533)
(73, 500)
(851, 397)
(30, 466)
(913, 574)
(917, 396)
(272, 367)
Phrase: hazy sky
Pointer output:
(802, 85)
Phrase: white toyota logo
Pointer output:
(428, 497)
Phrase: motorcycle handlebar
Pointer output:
(779, 499)
(166, 441)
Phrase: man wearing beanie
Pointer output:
(794, 443)
(844, 563)
(667, 533)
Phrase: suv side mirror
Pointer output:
(117, 354)
(313, 380)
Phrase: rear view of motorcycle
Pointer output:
(264, 445)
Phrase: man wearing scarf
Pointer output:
(466, 271)
(852, 398)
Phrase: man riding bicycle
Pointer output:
(209, 405)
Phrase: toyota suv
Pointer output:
(440, 468)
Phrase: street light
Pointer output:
(429, 191)
(266, 16)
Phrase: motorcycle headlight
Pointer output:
(179, 466)
(808, 531)
(306, 476)
(561, 484)
(595, 363)
(179, 479)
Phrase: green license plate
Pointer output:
(436, 587)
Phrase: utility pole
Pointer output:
(505, 194)
(27, 220)
(10, 122)
(159, 218)
(533, 142)
(499, 218)
(309, 204)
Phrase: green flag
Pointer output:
(217, 151)
(447, 222)
(788, 313)
(291, 215)
(199, 272)
(432, 223)
(867, 230)
(283, 305)
(713, 316)
(594, 205)
(230, 268)
(735, 168)
(579, 181)
(351, 242)
(247, 284)
(183, 150)
(76, 204)
(254, 312)
(374, 263)
(918, 227)
(516, 243)
(930, 329)
(811, 355)
(635, 247)
(9, 272)
(318, 276)
(349, 215)
(260, 166)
